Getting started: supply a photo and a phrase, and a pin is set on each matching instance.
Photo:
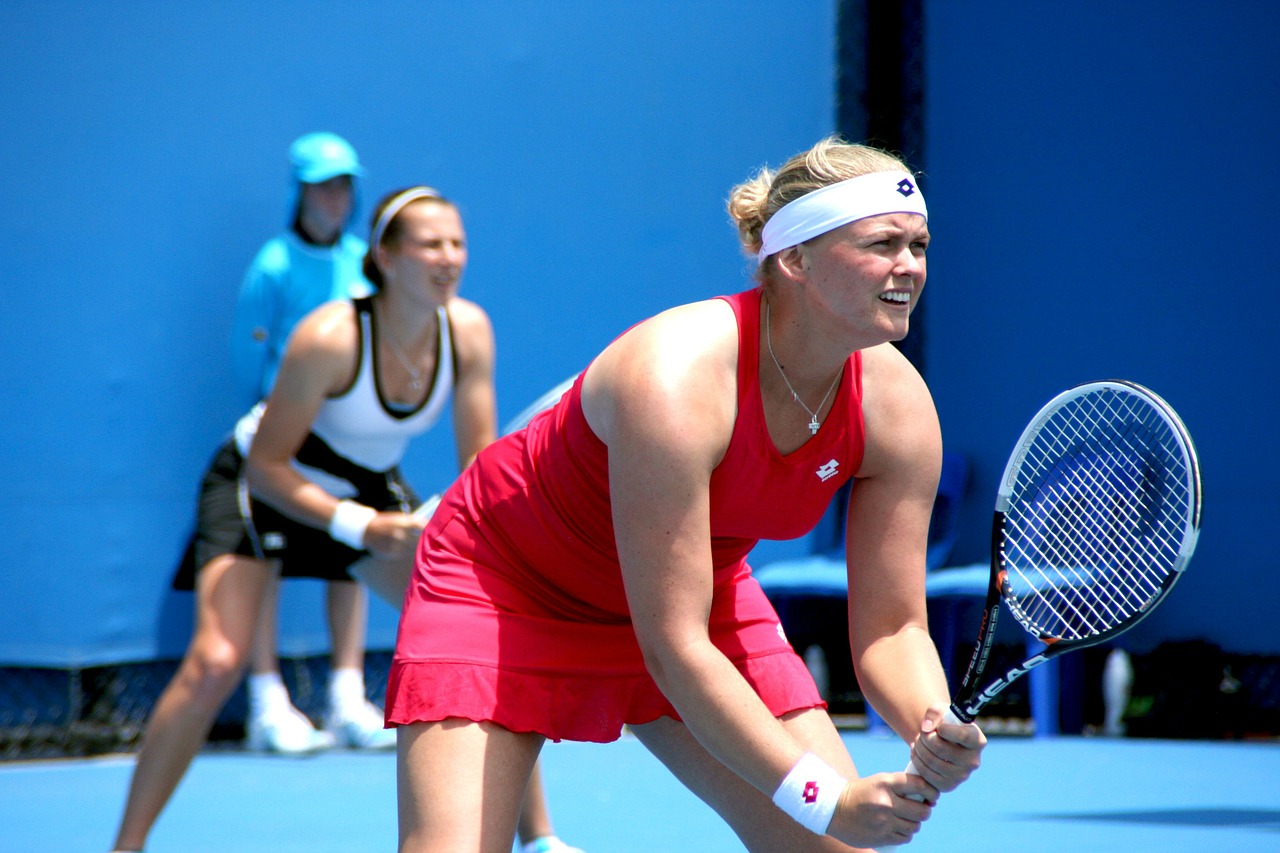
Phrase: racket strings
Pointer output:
(1096, 518)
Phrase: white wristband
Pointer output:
(349, 522)
(810, 793)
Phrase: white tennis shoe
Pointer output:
(287, 733)
(360, 727)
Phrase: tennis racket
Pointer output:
(1096, 518)
(552, 396)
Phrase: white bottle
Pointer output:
(816, 661)
(1117, 682)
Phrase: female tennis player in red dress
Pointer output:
(589, 571)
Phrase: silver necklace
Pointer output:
(814, 424)
(415, 374)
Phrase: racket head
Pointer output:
(546, 401)
(1096, 518)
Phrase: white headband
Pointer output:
(396, 205)
(839, 204)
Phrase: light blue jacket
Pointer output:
(286, 281)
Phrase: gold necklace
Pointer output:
(814, 424)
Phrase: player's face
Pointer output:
(430, 250)
(871, 272)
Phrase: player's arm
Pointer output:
(666, 410)
(664, 402)
(888, 524)
(320, 362)
(475, 415)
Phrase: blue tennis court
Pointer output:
(1047, 795)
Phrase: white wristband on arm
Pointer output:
(349, 522)
(810, 793)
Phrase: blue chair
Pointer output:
(816, 587)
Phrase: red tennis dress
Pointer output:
(516, 612)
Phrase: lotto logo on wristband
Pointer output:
(810, 793)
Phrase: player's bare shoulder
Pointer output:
(897, 410)
(892, 383)
(327, 330)
(467, 316)
(323, 351)
(692, 337)
(678, 368)
(472, 331)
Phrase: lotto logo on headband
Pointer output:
(837, 204)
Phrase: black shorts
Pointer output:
(228, 521)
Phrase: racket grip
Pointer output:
(948, 717)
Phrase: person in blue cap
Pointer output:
(313, 261)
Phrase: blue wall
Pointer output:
(1100, 180)
(1102, 185)
(590, 145)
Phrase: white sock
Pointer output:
(346, 692)
(267, 695)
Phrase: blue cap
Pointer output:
(317, 157)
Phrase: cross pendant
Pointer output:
(813, 425)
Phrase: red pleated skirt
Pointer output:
(482, 639)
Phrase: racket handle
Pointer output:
(948, 717)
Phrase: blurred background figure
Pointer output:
(314, 260)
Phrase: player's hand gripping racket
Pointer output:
(1096, 518)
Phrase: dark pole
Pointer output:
(880, 95)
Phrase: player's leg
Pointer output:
(228, 591)
(461, 785)
(535, 821)
(263, 658)
(388, 579)
(535, 830)
(347, 608)
(759, 824)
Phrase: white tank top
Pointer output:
(360, 425)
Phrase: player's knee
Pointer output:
(215, 668)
